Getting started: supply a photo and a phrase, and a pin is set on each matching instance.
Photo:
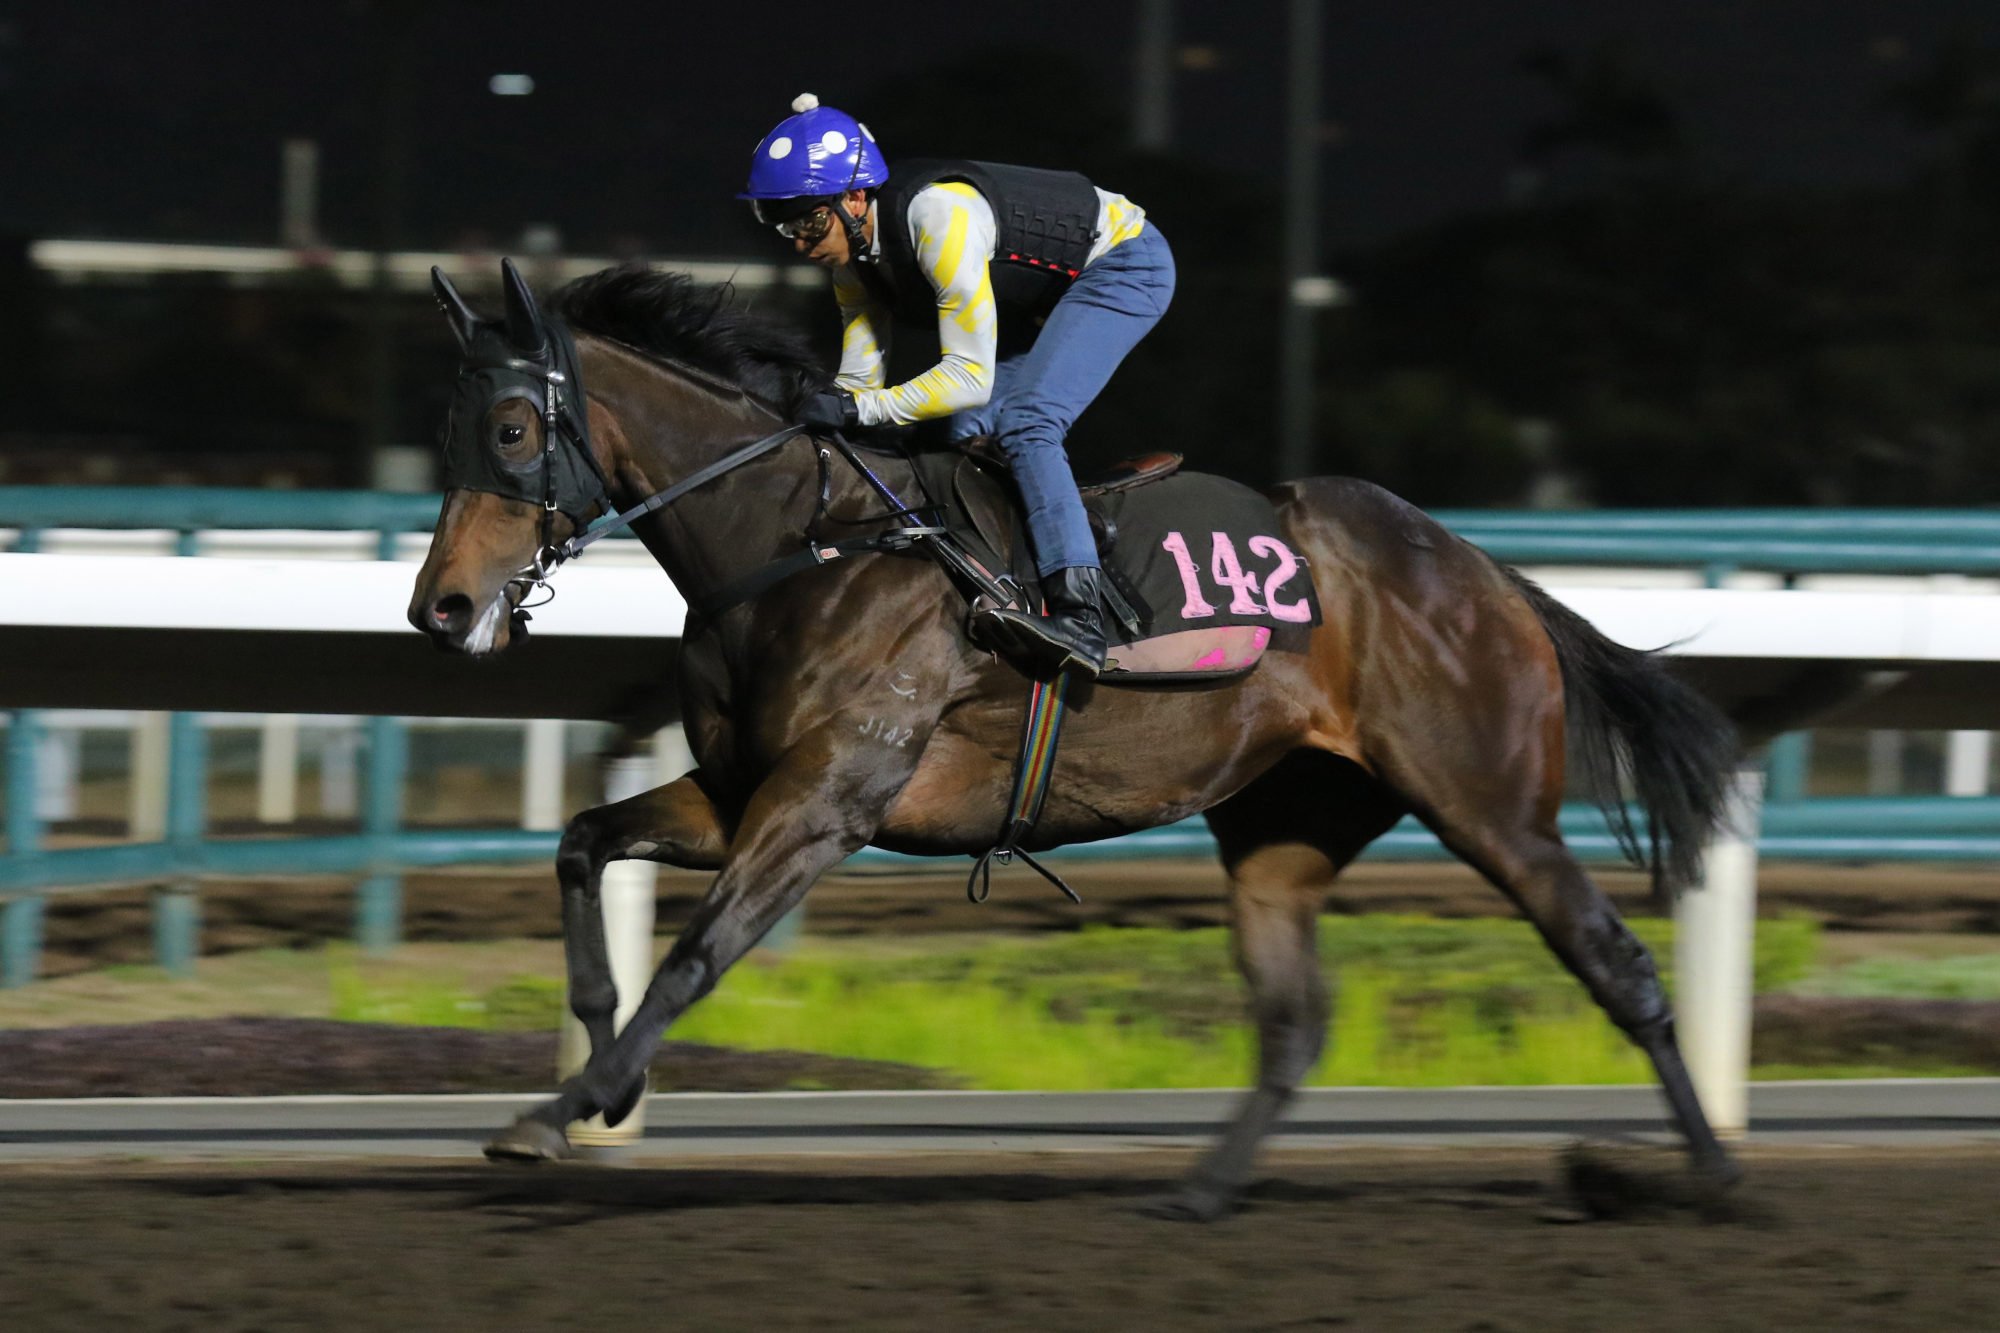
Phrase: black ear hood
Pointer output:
(525, 327)
(456, 312)
(528, 356)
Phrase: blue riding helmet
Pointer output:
(816, 152)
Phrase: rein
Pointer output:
(727, 463)
(574, 484)
(911, 525)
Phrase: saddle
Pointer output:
(1164, 537)
(1149, 519)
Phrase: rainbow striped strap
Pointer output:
(1039, 737)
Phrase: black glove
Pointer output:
(830, 409)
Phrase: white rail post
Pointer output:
(671, 755)
(147, 807)
(340, 771)
(278, 769)
(1885, 763)
(627, 903)
(1714, 960)
(1968, 763)
(59, 774)
(542, 774)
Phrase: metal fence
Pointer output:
(1716, 545)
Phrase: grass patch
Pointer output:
(1419, 1001)
(1968, 977)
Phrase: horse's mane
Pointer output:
(670, 315)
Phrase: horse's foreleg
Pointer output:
(818, 807)
(676, 825)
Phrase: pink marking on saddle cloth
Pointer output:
(1195, 651)
(1220, 659)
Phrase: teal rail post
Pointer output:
(21, 917)
(1788, 767)
(378, 908)
(177, 903)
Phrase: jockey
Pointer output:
(1034, 284)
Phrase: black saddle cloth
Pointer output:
(1186, 550)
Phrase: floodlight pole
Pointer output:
(1295, 334)
(1152, 89)
(393, 25)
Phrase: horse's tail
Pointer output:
(1640, 728)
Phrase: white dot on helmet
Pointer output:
(833, 141)
(781, 146)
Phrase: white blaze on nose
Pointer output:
(487, 628)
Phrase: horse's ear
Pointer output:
(456, 312)
(524, 317)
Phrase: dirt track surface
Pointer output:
(1367, 1240)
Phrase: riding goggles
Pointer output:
(809, 218)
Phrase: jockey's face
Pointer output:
(831, 249)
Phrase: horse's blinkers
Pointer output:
(527, 357)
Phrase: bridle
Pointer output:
(535, 358)
(560, 421)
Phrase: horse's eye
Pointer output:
(511, 434)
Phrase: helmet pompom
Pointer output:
(805, 102)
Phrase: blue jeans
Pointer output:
(1039, 394)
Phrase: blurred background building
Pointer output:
(1540, 253)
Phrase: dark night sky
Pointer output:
(147, 118)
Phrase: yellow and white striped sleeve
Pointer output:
(1118, 221)
(953, 231)
(862, 324)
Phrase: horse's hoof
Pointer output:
(529, 1140)
(1192, 1202)
(1613, 1181)
(615, 1114)
(1716, 1175)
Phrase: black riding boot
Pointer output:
(1070, 635)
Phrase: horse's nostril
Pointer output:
(452, 613)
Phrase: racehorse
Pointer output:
(843, 706)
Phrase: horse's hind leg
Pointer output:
(1499, 816)
(1283, 839)
(1533, 867)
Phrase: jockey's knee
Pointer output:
(1028, 429)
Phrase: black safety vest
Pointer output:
(1047, 223)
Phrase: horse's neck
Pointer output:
(664, 423)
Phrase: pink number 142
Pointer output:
(1228, 573)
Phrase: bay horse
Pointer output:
(844, 706)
